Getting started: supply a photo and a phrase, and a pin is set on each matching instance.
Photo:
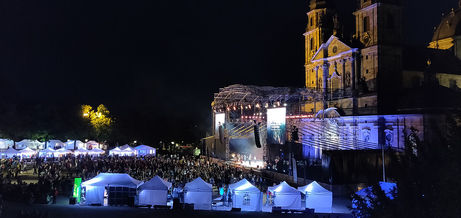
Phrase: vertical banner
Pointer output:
(77, 189)
(276, 125)
(219, 122)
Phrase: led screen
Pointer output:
(276, 121)
(219, 121)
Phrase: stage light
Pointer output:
(249, 106)
(257, 105)
(285, 104)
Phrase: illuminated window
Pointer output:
(366, 24)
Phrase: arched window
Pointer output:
(312, 43)
(366, 24)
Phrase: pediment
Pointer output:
(333, 47)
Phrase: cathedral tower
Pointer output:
(322, 23)
(379, 32)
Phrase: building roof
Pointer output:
(317, 4)
(449, 26)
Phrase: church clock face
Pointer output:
(335, 50)
(366, 38)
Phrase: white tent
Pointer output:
(95, 152)
(128, 151)
(27, 152)
(143, 150)
(92, 144)
(55, 144)
(34, 144)
(154, 192)
(286, 196)
(77, 143)
(6, 143)
(245, 196)
(199, 193)
(81, 151)
(95, 187)
(9, 153)
(48, 152)
(115, 151)
(62, 151)
(317, 197)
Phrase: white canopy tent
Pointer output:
(47, 152)
(95, 152)
(95, 187)
(317, 197)
(62, 151)
(286, 196)
(115, 151)
(74, 144)
(154, 192)
(245, 196)
(143, 150)
(128, 151)
(6, 143)
(55, 144)
(34, 144)
(27, 152)
(9, 153)
(199, 193)
(81, 151)
(91, 144)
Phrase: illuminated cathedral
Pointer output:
(365, 92)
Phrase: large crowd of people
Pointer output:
(55, 176)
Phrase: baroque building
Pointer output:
(362, 74)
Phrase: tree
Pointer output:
(100, 120)
(428, 180)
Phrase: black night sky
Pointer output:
(156, 64)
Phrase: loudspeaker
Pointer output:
(236, 209)
(256, 132)
(130, 201)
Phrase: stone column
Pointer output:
(325, 84)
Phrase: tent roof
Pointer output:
(144, 147)
(62, 150)
(313, 188)
(27, 150)
(47, 150)
(283, 187)
(113, 179)
(198, 185)
(10, 151)
(116, 149)
(96, 150)
(243, 185)
(155, 183)
(128, 149)
(55, 141)
(123, 147)
(81, 150)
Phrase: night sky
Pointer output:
(156, 64)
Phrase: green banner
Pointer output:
(77, 189)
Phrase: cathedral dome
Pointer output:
(449, 27)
